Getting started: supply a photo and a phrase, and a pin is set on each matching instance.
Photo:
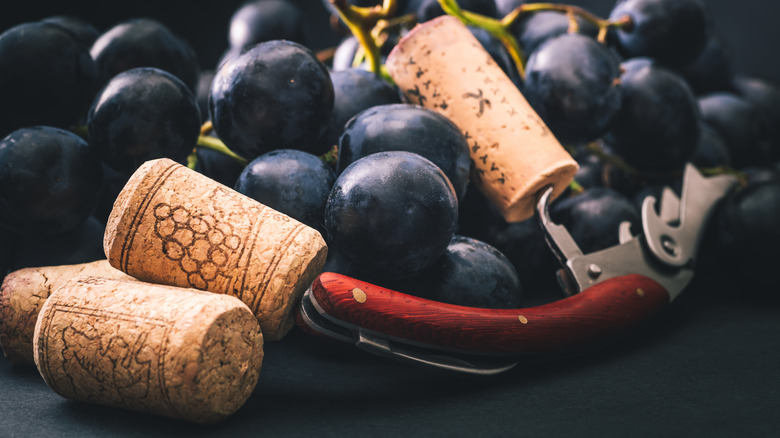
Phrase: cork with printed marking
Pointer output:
(172, 225)
(164, 350)
(440, 65)
(23, 293)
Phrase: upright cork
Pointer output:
(440, 65)
(22, 295)
(172, 225)
(169, 351)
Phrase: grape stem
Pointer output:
(361, 21)
(206, 141)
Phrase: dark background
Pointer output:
(709, 366)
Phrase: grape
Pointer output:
(572, 82)
(46, 77)
(142, 114)
(49, 181)
(533, 30)
(657, 128)
(671, 31)
(391, 213)
(471, 273)
(258, 21)
(742, 126)
(7, 246)
(276, 95)
(744, 229)
(218, 166)
(429, 9)
(412, 128)
(84, 32)
(290, 181)
(205, 78)
(764, 95)
(712, 70)
(83, 244)
(503, 7)
(355, 90)
(593, 217)
(143, 42)
(712, 150)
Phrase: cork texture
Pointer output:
(440, 65)
(164, 350)
(172, 225)
(22, 295)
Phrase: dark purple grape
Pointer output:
(745, 235)
(83, 30)
(478, 217)
(46, 77)
(657, 128)
(83, 244)
(412, 128)
(143, 42)
(50, 180)
(671, 31)
(113, 183)
(742, 126)
(7, 249)
(572, 82)
(593, 218)
(290, 181)
(504, 7)
(591, 171)
(712, 150)
(218, 166)
(355, 90)
(474, 274)
(524, 245)
(258, 21)
(142, 114)
(202, 93)
(535, 29)
(391, 213)
(347, 49)
(344, 55)
(429, 9)
(276, 95)
(764, 95)
(712, 70)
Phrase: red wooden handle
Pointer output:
(593, 315)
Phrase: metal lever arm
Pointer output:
(592, 316)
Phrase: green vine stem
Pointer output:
(206, 141)
(361, 22)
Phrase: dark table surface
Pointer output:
(708, 366)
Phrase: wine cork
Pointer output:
(22, 295)
(164, 350)
(172, 225)
(440, 65)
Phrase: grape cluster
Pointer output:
(634, 96)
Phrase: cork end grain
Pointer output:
(164, 350)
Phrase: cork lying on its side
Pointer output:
(440, 65)
(159, 349)
(23, 293)
(172, 225)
